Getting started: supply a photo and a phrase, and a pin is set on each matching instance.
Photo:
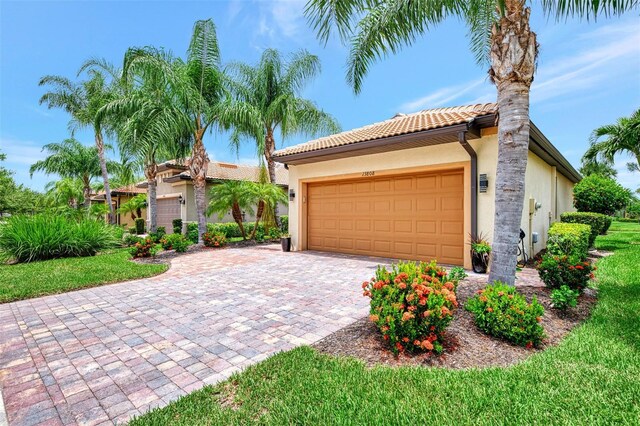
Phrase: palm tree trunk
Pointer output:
(150, 172)
(513, 54)
(237, 216)
(269, 148)
(105, 174)
(259, 212)
(86, 191)
(198, 167)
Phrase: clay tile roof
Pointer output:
(129, 189)
(229, 171)
(400, 124)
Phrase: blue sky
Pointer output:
(588, 75)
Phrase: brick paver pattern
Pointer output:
(105, 354)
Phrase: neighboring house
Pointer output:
(120, 196)
(410, 187)
(175, 189)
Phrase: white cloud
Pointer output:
(23, 153)
(446, 95)
(593, 59)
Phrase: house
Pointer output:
(416, 186)
(175, 195)
(119, 196)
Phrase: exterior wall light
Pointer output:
(181, 199)
(292, 195)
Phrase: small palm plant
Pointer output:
(480, 252)
(231, 195)
(134, 206)
(267, 196)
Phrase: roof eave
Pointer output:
(544, 149)
(436, 136)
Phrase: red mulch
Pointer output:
(465, 345)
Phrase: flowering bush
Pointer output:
(177, 242)
(144, 248)
(412, 304)
(564, 298)
(556, 271)
(499, 310)
(214, 240)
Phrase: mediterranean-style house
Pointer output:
(175, 195)
(120, 196)
(417, 186)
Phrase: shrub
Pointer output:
(118, 231)
(499, 310)
(192, 232)
(131, 240)
(633, 210)
(139, 225)
(599, 223)
(570, 239)
(599, 194)
(274, 233)
(412, 305)
(177, 226)
(564, 298)
(132, 230)
(48, 236)
(284, 224)
(556, 271)
(176, 242)
(214, 240)
(626, 220)
(144, 248)
(161, 231)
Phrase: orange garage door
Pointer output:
(417, 217)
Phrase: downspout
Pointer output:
(462, 138)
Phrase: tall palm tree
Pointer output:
(150, 120)
(271, 91)
(500, 36)
(83, 100)
(71, 159)
(266, 196)
(199, 92)
(622, 137)
(234, 195)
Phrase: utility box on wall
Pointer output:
(483, 182)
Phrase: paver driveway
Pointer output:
(102, 355)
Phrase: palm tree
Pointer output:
(622, 137)
(150, 119)
(234, 195)
(134, 207)
(83, 100)
(71, 159)
(598, 168)
(500, 36)
(199, 92)
(271, 92)
(266, 196)
(65, 192)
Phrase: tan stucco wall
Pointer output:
(540, 178)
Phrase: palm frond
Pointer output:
(587, 9)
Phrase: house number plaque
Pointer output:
(371, 173)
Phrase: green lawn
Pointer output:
(28, 280)
(591, 378)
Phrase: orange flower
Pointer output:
(407, 316)
(385, 337)
(405, 339)
(427, 345)
(529, 345)
(374, 318)
(449, 285)
(427, 313)
(489, 309)
(410, 297)
(422, 301)
(445, 311)
(402, 286)
(399, 347)
(365, 284)
(538, 319)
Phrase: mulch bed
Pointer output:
(165, 256)
(465, 345)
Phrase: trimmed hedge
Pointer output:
(232, 230)
(627, 220)
(570, 239)
(599, 223)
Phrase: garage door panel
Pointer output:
(167, 210)
(452, 228)
(410, 216)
